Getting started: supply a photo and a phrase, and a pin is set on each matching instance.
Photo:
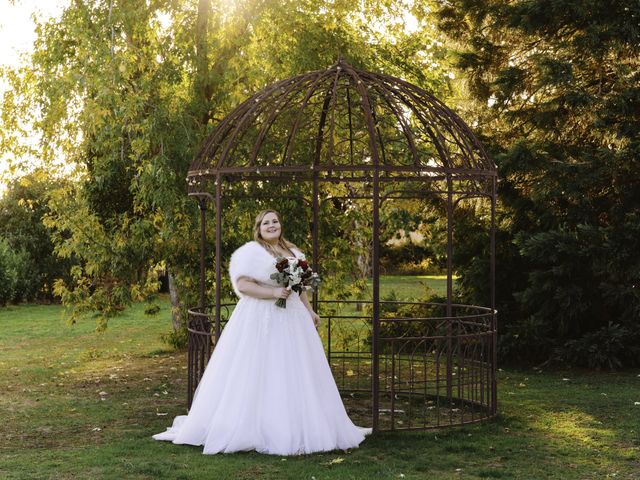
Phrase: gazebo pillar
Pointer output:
(202, 204)
(218, 185)
(449, 289)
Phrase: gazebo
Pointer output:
(375, 140)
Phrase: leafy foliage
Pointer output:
(612, 346)
(554, 87)
(125, 92)
(22, 209)
(10, 265)
(429, 305)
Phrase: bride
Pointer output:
(268, 386)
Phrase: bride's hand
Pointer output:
(281, 292)
(316, 319)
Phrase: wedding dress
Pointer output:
(268, 386)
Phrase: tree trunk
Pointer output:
(203, 87)
(364, 246)
(175, 303)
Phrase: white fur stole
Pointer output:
(253, 261)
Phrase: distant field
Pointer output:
(412, 287)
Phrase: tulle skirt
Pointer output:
(267, 387)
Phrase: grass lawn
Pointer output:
(412, 287)
(76, 404)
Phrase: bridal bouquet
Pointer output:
(294, 274)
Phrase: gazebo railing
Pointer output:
(433, 371)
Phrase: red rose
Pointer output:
(282, 264)
(303, 264)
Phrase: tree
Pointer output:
(555, 88)
(22, 208)
(127, 91)
(11, 263)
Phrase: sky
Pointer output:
(17, 33)
(16, 27)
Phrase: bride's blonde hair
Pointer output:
(283, 243)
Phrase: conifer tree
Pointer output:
(555, 90)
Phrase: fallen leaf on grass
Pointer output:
(336, 461)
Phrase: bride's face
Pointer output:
(270, 227)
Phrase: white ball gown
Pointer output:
(268, 386)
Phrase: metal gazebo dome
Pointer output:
(384, 139)
(290, 126)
